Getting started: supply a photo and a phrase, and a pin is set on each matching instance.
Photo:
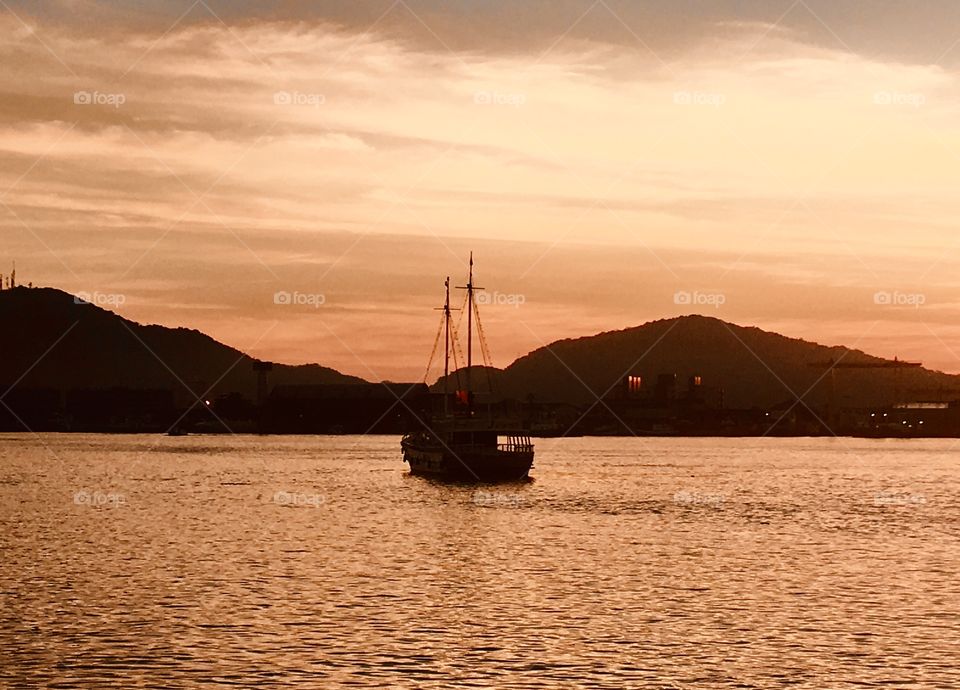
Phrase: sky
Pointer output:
(298, 181)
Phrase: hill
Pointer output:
(51, 341)
(753, 367)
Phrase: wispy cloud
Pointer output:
(269, 155)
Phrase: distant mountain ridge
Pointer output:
(753, 367)
(52, 341)
(49, 340)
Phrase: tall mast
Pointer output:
(470, 288)
(446, 347)
(469, 326)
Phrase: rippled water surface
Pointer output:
(263, 562)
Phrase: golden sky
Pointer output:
(785, 165)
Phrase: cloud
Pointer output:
(889, 30)
(259, 156)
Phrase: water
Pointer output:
(148, 561)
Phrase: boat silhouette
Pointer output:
(457, 443)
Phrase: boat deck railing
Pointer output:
(515, 447)
(514, 444)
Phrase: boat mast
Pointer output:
(470, 288)
(446, 347)
(470, 332)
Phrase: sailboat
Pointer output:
(461, 443)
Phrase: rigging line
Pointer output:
(433, 353)
(455, 337)
(456, 363)
(484, 349)
(462, 309)
(455, 347)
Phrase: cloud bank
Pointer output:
(199, 167)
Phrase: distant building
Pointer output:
(919, 419)
(666, 409)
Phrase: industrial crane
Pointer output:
(832, 365)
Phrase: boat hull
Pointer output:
(467, 464)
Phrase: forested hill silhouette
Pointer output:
(753, 367)
(90, 347)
